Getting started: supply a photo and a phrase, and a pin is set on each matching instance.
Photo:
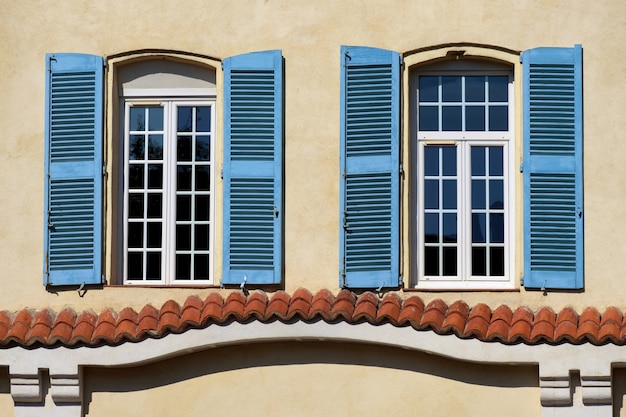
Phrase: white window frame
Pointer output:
(463, 140)
(170, 100)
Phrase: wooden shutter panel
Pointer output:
(370, 168)
(553, 176)
(253, 141)
(73, 166)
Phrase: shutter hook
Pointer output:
(81, 288)
(243, 283)
(275, 212)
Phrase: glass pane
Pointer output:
(155, 118)
(428, 118)
(155, 176)
(496, 261)
(479, 261)
(203, 180)
(184, 119)
(201, 238)
(153, 267)
(203, 119)
(183, 150)
(183, 266)
(136, 147)
(135, 266)
(137, 118)
(479, 196)
(183, 178)
(202, 207)
(449, 160)
(428, 88)
(451, 119)
(183, 207)
(499, 88)
(431, 160)
(135, 176)
(183, 237)
(154, 234)
(498, 118)
(478, 160)
(431, 261)
(495, 160)
(496, 228)
(431, 228)
(449, 194)
(496, 194)
(155, 205)
(451, 88)
(202, 148)
(135, 235)
(135, 206)
(449, 261)
(479, 231)
(431, 194)
(155, 147)
(201, 266)
(475, 118)
(474, 89)
(449, 227)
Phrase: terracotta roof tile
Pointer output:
(70, 328)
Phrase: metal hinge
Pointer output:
(521, 166)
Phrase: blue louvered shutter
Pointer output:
(73, 166)
(553, 177)
(370, 168)
(253, 142)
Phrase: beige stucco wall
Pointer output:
(312, 379)
(309, 33)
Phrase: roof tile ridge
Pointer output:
(278, 306)
(500, 324)
(322, 304)
(191, 312)
(543, 326)
(411, 312)
(147, 322)
(169, 318)
(63, 327)
(389, 309)
(300, 304)
(213, 308)
(84, 328)
(104, 330)
(456, 318)
(256, 305)
(589, 326)
(40, 328)
(343, 306)
(126, 325)
(611, 326)
(433, 315)
(566, 326)
(20, 327)
(478, 322)
(521, 325)
(366, 307)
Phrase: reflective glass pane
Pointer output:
(428, 118)
(184, 121)
(155, 205)
(479, 261)
(431, 228)
(154, 234)
(449, 227)
(137, 119)
(498, 118)
(201, 266)
(448, 158)
(428, 88)
(135, 176)
(135, 206)
(153, 266)
(431, 261)
(449, 261)
(202, 207)
(155, 118)
(201, 237)
(479, 196)
(183, 237)
(478, 160)
(496, 228)
(496, 261)
(136, 147)
(451, 88)
(496, 160)
(431, 194)
(155, 147)
(475, 118)
(499, 88)
(496, 194)
(202, 148)
(203, 179)
(183, 207)
(479, 228)
(183, 178)
(183, 266)
(155, 176)
(449, 194)
(183, 149)
(475, 89)
(431, 160)
(135, 266)
(451, 119)
(203, 119)
(135, 235)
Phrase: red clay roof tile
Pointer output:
(366, 307)
(478, 321)
(300, 303)
(456, 317)
(411, 313)
(256, 305)
(278, 305)
(434, 313)
(389, 309)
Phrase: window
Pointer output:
(464, 179)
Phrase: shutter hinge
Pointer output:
(104, 62)
(521, 58)
(521, 280)
(521, 166)
(49, 63)
(104, 170)
(402, 171)
(222, 173)
(343, 269)
(222, 65)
